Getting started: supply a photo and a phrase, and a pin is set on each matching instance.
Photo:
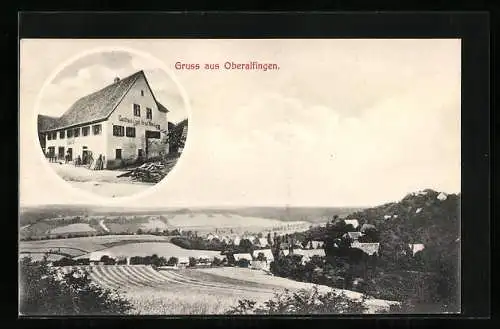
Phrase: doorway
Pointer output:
(151, 137)
(60, 152)
(85, 155)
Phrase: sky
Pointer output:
(98, 70)
(341, 123)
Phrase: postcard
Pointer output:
(239, 176)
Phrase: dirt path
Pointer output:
(101, 223)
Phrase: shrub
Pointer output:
(216, 261)
(45, 291)
(302, 302)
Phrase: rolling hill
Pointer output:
(32, 214)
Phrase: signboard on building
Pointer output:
(139, 121)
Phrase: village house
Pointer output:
(262, 264)
(354, 236)
(262, 242)
(442, 196)
(122, 122)
(416, 247)
(308, 254)
(353, 222)
(183, 262)
(268, 254)
(96, 256)
(368, 248)
(242, 256)
(316, 244)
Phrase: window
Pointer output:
(118, 154)
(142, 92)
(61, 134)
(139, 153)
(130, 132)
(137, 110)
(77, 132)
(85, 131)
(49, 136)
(152, 134)
(52, 135)
(149, 113)
(118, 130)
(97, 129)
(69, 133)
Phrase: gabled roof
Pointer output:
(100, 104)
(242, 256)
(310, 253)
(354, 235)
(416, 247)
(368, 248)
(353, 222)
(267, 253)
(161, 107)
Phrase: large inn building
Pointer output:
(122, 122)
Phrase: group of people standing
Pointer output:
(86, 160)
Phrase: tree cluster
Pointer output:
(44, 291)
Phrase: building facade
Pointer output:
(122, 122)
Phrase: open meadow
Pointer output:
(197, 291)
(145, 248)
(84, 245)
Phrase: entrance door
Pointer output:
(152, 137)
(70, 154)
(85, 154)
(60, 153)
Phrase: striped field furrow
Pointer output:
(191, 281)
(127, 277)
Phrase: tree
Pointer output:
(173, 261)
(246, 246)
(155, 260)
(192, 261)
(44, 291)
(370, 234)
(175, 137)
(261, 257)
(216, 261)
(65, 261)
(106, 260)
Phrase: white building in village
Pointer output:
(122, 122)
(368, 248)
(416, 247)
(268, 254)
(353, 222)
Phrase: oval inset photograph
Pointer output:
(112, 123)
